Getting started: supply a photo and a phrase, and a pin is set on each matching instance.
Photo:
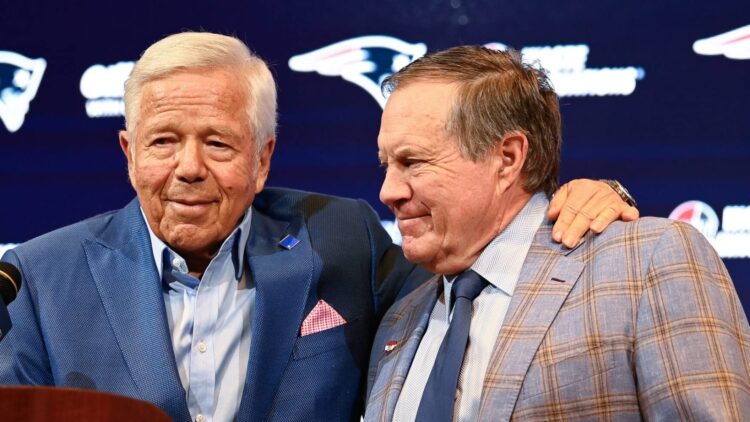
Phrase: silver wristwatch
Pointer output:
(620, 189)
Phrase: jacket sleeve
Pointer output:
(23, 355)
(692, 351)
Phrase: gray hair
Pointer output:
(206, 51)
(497, 94)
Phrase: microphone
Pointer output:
(10, 282)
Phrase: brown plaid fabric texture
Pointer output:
(640, 322)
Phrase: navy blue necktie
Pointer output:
(440, 392)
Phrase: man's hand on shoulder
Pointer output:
(582, 205)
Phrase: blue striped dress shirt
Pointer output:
(210, 322)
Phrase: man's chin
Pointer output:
(415, 250)
(188, 238)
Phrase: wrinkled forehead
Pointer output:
(205, 93)
(418, 108)
(196, 82)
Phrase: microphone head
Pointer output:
(10, 282)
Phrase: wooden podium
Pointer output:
(36, 404)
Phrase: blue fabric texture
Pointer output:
(91, 312)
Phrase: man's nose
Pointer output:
(395, 188)
(191, 165)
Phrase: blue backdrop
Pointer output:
(654, 94)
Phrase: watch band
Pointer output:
(620, 190)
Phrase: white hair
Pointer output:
(206, 51)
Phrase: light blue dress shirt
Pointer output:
(210, 323)
(500, 264)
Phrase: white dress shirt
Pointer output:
(500, 264)
(210, 322)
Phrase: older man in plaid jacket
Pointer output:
(639, 322)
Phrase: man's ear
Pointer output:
(126, 149)
(510, 154)
(264, 164)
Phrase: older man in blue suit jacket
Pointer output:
(641, 321)
(189, 297)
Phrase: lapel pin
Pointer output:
(390, 345)
(288, 242)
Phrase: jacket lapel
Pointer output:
(407, 326)
(546, 278)
(282, 280)
(121, 264)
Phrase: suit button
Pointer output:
(202, 347)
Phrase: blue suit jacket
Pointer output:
(639, 322)
(91, 311)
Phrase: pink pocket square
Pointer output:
(322, 317)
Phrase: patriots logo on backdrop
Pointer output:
(19, 80)
(734, 44)
(365, 61)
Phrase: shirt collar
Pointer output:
(501, 260)
(235, 243)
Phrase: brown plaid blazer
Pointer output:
(640, 322)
